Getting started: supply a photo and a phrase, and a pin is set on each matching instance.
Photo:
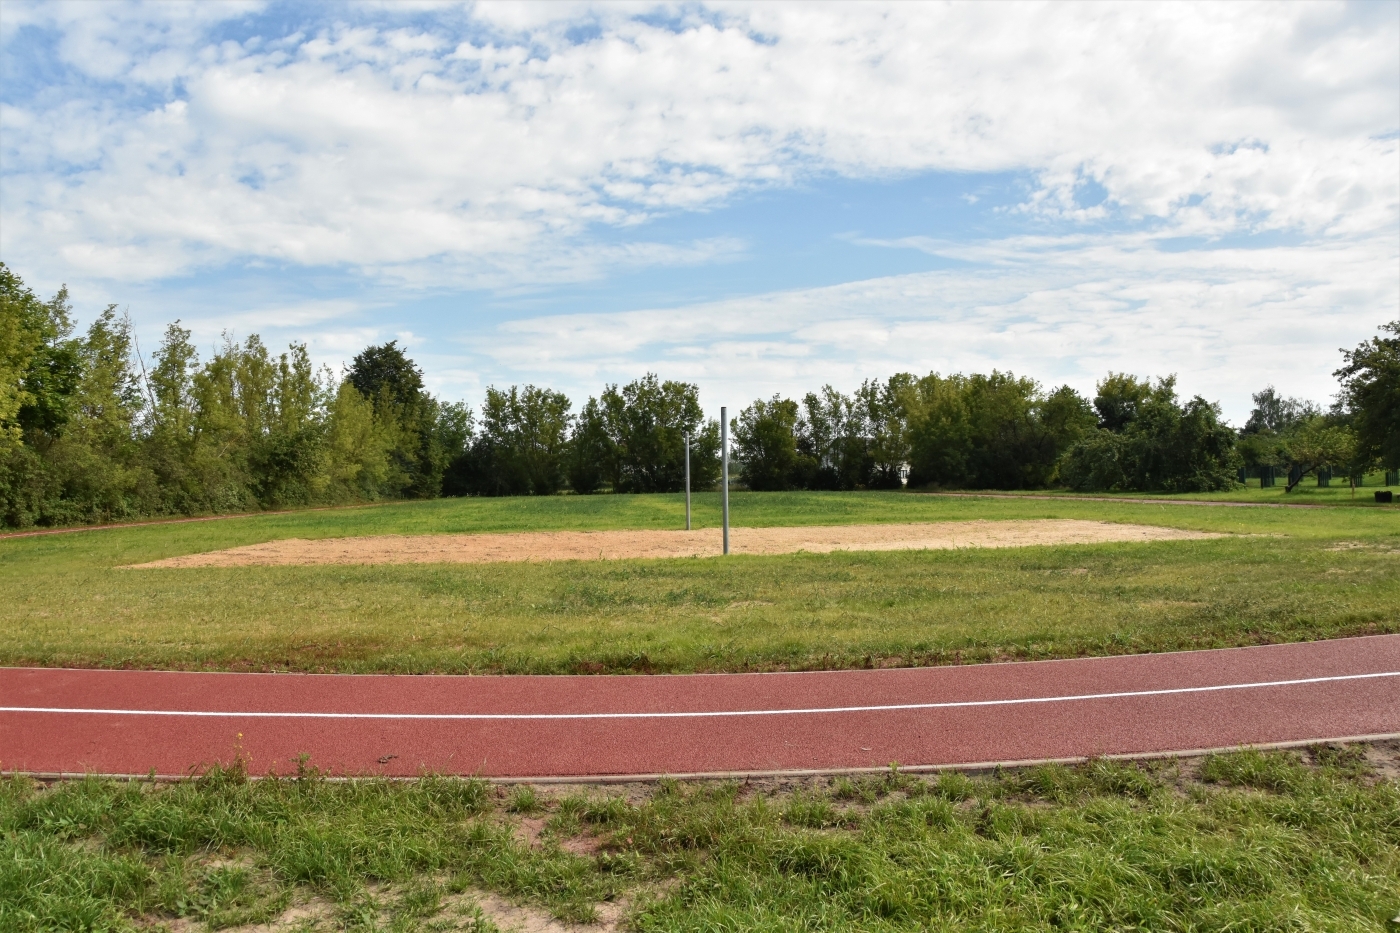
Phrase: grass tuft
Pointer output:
(1270, 841)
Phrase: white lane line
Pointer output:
(704, 714)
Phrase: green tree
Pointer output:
(940, 432)
(1263, 439)
(454, 431)
(26, 326)
(51, 371)
(1181, 448)
(1159, 444)
(171, 417)
(1273, 414)
(765, 443)
(592, 453)
(387, 377)
(1120, 397)
(647, 421)
(885, 406)
(833, 441)
(22, 324)
(98, 459)
(385, 373)
(1319, 444)
(1370, 378)
(286, 457)
(357, 446)
(993, 431)
(523, 443)
(1065, 416)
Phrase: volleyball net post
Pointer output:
(724, 474)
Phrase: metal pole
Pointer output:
(687, 481)
(724, 473)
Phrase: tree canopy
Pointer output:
(92, 431)
(1370, 378)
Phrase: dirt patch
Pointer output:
(1362, 546)
(515, 918)
(617, 545)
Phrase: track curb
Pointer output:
(975, 767)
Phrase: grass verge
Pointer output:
(1338, 493)
(1242, 841)
(1284, 575)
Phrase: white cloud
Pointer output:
(404, 147)
(478, 149)
(1228, 321)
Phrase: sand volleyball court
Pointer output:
(618, 545)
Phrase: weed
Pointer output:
(524, 800)
(1265, 841)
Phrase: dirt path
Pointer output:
(615, 545)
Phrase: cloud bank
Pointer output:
(495, 146)
(488, 137)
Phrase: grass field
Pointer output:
(1281, 841)
(1284, 574)
(1306, 493)
(1239, 842)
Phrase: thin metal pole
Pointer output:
(687, 481)
(724, 473)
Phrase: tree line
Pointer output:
(93, 430)
(999, 431)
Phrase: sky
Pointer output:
(758, 198)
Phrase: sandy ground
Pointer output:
(616, 545)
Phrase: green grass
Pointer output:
(1245, 841)
(1284, 575)
(1306, 493)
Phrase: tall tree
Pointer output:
(592, 455)
(996, 431)
(99, 460)
(1274, 414)
(1159, 444)
(647, 421)
(833, 439)
(1370, 378)
(387, 377)
(1119, 398)
(53, 371)
(385, 374)
(885, 406)
(765, 441)
(1274, 419)
(523, 443)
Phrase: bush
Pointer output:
(1159, 445)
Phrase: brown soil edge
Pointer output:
(522, 547)
(972, 767)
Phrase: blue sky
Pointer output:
(758, 199)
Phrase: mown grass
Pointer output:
(1284, 575)
(1244, 841)
(1339, 492)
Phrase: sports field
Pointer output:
(1284, 840)
(1273, 575)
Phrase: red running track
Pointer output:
(133, 722)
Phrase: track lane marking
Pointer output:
(702, 714)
